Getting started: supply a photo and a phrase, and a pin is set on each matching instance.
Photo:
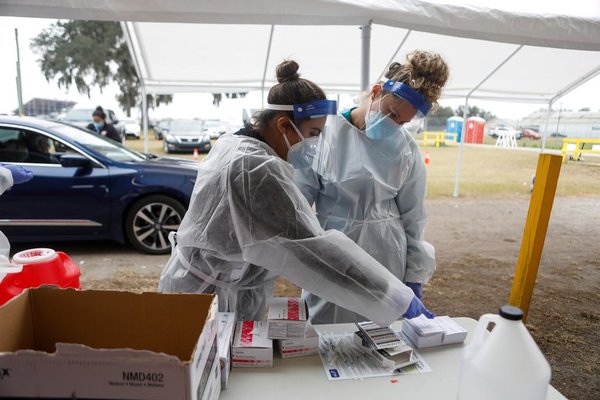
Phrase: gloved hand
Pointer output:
(19, 174)
(417, 308)
(417, 289)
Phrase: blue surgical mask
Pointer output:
(98, 125)
(379, 126)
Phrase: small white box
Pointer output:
(251, 347)
(226, 323)
(299, 347)
(287, 317)
(454, 333)
(424, 332)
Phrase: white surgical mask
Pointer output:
(301, 154)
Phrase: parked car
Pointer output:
(130, 128)
(500, 129)
(558, 135)
(214, 128)
(185, 135)
(160, 128)
(86, 187)
(82, 117)
(531, 134)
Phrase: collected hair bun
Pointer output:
(395, 67)
(99, 111)
(287, 71)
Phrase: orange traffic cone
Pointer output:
(427, 160)
(195, 156)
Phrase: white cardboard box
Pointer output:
(226, 323)
(299, 347)
(439, 331)
(251, 347)
(112, 345)
(287, 317)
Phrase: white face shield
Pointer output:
(384, 123)
(302, 153)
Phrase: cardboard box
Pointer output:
(226, 323)
(111, 345)
(439, 331)
(251, 347)
(287, 317)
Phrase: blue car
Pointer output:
(86, 187)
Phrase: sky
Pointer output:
(199, 105)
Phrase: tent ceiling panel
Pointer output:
(328, 55)
(552, 23)
(208, 57)
(214, 53)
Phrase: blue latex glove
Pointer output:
(417, 289)
(19, 174)
(417, 308)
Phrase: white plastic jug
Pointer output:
(506, 364)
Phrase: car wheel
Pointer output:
(166, 148)
(150, 221)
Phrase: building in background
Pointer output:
(45, 108)
(576, 124)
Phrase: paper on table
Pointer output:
(342, 359)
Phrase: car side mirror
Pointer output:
(75, 160)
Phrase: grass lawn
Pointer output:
(486, 172)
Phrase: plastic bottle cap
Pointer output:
(511, 313)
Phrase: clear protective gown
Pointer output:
(374, 192)
(6, 179)
(248, 223)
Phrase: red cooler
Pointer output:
(40, 267)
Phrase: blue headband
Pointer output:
(311, 109)
(409, 94)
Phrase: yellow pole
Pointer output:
(534, 234)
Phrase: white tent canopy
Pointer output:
(204, 57)
(513, 50)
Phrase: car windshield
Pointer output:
(106, 147)
(186, 126)
(79, 115)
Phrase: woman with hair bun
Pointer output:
(369, 180)
(248, 223)
(101, 127)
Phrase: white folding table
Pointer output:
(304, 378)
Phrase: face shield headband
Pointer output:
(409, 94)
(311, 109)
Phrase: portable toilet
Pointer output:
(474, 131)
(454, 125)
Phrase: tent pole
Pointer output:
(385, 68)
(545, 133)
(264, 77)
(145, 117)
(461, 145)
(462, 137)
(365, 55)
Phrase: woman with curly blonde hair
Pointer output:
(368, 178)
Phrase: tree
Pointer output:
(475, 111)
(436, 120)
(90, 53)
(584, 109)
